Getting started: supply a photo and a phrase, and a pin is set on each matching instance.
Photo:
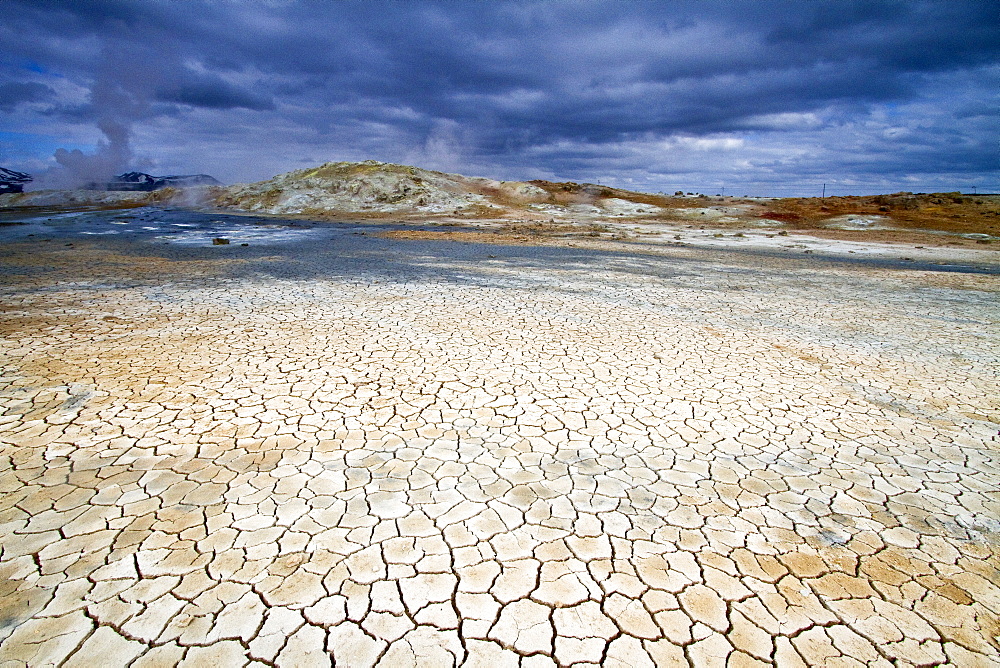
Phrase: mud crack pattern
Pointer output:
(557, 468)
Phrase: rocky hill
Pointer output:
(375, 188)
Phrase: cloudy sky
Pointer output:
(754, 97)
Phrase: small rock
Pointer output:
(220, 241)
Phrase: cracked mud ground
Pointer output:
(614, 462)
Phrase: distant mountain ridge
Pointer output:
(140, 181)
(13, 182)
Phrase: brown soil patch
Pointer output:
(944, 212)
(514, 233)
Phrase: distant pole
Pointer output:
(824, 190)
(973, 190)
(723, 191)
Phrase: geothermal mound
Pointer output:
(376, 187)
(355, 187)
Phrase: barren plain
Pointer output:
(397, 445)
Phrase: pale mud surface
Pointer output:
(351, 449)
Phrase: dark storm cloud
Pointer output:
(13, 93)
(214, 93)
(509, 85)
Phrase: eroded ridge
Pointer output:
(573, 468)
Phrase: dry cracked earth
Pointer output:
(742, 463)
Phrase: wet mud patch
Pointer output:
(37, 264)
